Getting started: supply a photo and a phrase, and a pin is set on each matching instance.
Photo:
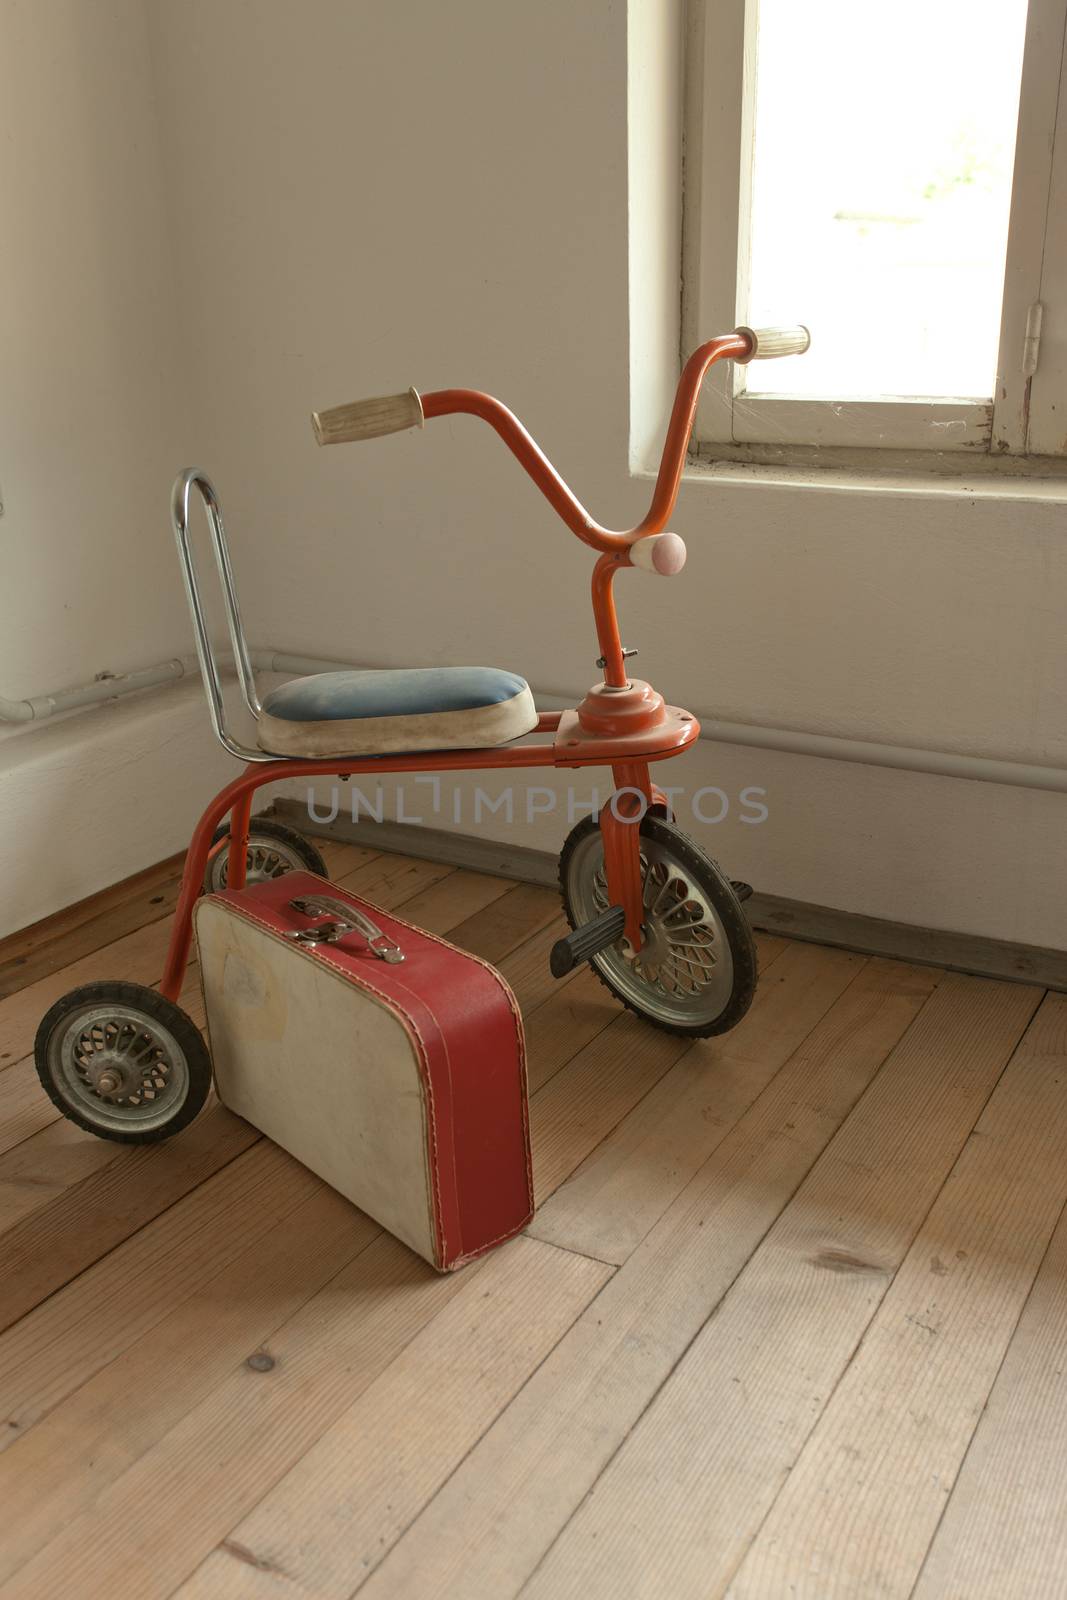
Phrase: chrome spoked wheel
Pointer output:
(696, 970)
(123, 1062)
(273, 849)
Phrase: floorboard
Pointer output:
(863, 1501)
(678, 1505)
(789, 1320)
(622, 1189)
(75, 1333)
(80, 930)
(487, 1530)
(198, 1328)
(449, 1384)
(257, 1424)
(54, 1243)
(1003, 1535)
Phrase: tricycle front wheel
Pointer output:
(696, 970)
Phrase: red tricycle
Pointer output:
(659, 922)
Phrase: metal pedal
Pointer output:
(583, 942)
(741, 890)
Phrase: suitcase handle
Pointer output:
(347, 920)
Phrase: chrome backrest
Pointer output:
(192, 478)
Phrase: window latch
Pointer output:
(1032, 339)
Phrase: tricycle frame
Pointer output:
(634, 795)
(621, 723)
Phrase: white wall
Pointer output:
(91, 433)
(438, 194)
(90, 413)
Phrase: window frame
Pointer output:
(1023, 426)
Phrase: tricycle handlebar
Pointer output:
(769, 343)
(366, 419)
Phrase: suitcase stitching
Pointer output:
(516, 1016)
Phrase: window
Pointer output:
(892, 176)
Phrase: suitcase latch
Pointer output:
(346, 920)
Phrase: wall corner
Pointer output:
(654, 80)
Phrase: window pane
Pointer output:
(884, 143)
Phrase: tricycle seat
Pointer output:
(376, 711)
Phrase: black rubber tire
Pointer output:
(155, 1008)
(273, 832)
(728, 908)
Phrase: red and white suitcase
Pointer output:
(383, 1058)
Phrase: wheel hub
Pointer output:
(106, 1080)
(120, 1062)
(112, 1077)
(679, 933)
(655, 948)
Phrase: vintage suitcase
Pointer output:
(389, 1062)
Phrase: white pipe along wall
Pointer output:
(794, 741)
(490, 244)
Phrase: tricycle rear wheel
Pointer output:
(273, 849)
(122, 1062)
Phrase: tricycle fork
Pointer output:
(620, 830)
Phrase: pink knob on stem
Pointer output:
(662, 553)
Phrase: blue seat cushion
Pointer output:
(410, 708)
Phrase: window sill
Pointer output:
(883, 471)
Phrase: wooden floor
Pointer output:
(791, 1319)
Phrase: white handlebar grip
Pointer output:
(662, 553)
(368, 419)
(767, 343)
